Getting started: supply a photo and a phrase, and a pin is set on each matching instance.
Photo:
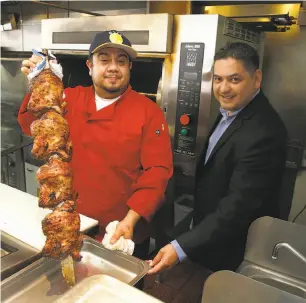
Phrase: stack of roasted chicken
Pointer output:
(51, 143)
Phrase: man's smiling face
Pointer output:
(110, 71)
(234, 86)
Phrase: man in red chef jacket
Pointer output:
(122, 158)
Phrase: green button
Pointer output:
(184, 132)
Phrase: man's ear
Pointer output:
(131, 65)
(89, 65)
(258, 78)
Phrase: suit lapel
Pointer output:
(235, 125)
(203, 154)
(245, 114)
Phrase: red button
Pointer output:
(185, 119)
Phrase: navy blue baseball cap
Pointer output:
(112, 38)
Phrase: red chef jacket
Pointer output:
(122, 155)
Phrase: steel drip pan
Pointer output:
(102, 288)
(42, 281)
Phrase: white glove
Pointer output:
(125, 245)
(54, 66)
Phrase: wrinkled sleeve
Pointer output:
(157, 167)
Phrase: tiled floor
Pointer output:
(182, 284)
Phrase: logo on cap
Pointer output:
(115, 38)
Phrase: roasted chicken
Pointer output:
(47, 91)
(62, 229)
(51, 143)
(50, 134)
(55, 182)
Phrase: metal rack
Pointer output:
(267, 23)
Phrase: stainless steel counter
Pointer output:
(15, 255)
(230, 287)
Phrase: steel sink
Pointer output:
(288, 287)
(272, 278)
(15, 255)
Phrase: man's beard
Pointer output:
(112, 90)
(108, 89)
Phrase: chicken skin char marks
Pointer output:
(55, 180)
(46, 93)
(62, 229)
(51, 143)
(50, 134)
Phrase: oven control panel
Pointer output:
(188, 98)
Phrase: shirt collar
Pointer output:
(229, 115)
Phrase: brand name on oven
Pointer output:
(192, 46)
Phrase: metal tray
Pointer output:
(102, 288)
(42, 281)
(15, 255)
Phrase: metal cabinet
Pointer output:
(12, 168)
(32, 185)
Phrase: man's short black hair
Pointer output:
(242, 52)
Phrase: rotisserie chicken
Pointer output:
(47, 91)
(55, 182)
(50, 134)
(62, 229)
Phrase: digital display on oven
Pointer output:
(190, 76)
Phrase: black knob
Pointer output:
(11, 163)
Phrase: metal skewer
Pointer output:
(45, 52)
(68, 270)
